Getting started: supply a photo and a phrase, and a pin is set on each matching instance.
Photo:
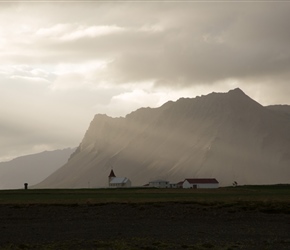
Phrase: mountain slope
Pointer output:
(31, 169)
(227, 136)
(282, 109)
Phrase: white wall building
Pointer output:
(200, 183)
(172, 185)
(120, 182)
(117, 182)
(159, 184)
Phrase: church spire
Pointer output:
(112, 174)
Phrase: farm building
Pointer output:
(200, 183)
(118, 181)
(179, 184)
(159, 184)
(172, 185)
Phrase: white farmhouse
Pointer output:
(159, 184)
(200, 183)
(117, 182)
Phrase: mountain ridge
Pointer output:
(228, 136)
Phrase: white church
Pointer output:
(117, 182)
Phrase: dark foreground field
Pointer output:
(242, 218)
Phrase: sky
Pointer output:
(62, 62)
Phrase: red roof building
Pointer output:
(179, 184)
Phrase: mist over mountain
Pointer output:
(227, 136)
(31, 169)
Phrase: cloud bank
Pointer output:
(61, 63)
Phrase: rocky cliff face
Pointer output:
(227, 136)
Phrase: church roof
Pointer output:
(119, 180)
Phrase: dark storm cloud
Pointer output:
(179, 44)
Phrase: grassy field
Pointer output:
(224, 205)
(227, 196)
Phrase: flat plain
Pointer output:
(246, 217)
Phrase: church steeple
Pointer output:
(111, 176)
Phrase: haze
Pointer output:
(62, 63)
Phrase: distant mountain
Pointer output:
(31, 169)
(227, 136)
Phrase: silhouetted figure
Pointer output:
(25, 186)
